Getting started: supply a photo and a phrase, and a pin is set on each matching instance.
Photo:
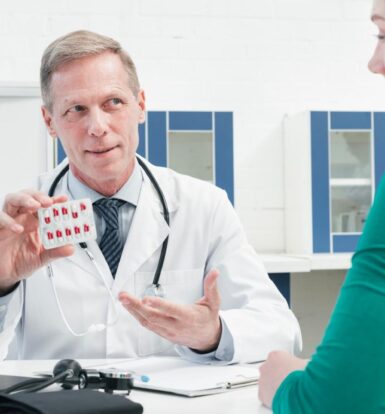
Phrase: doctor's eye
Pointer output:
(114, 103)
(76, 108)
(380, 37)
(74, 113)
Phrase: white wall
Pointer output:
(259, 58)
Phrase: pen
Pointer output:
(140, 377)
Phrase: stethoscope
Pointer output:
(154, 289)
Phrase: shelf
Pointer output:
(290, 263)
(348, 182)
(327, 261)
(282, 263)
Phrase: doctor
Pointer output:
(218, 305)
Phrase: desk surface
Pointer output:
(301, 263)
(242, 400)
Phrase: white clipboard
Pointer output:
(177, 376)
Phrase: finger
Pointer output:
(264, 366)
(161, 325)
(45, 200)
(158, 318)
(148, 317)
(132, 305)
(129, 300)
(14, 202)
(57, 253)
(160, 330)
(173, 310)
(40, 197)
(261, 389)
(25, 201)
(7, 222)
(211, 296)
(134, 308)
(142, 312)
(137, 315)
(60, 198)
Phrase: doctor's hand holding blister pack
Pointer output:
(21, 247)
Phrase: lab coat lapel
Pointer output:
(148, 231)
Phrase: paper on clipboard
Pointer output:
(177, 376)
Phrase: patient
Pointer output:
(346, 375)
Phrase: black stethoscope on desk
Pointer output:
(155, 289)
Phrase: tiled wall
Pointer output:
(258, 58)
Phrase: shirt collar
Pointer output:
(129, 192)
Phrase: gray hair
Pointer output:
(76, 45)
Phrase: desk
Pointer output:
(242, 400)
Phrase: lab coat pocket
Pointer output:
(179, 286)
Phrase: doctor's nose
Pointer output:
(377, 62)
(97, 124)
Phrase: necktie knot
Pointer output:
(108, 208)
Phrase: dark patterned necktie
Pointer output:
(111, 244)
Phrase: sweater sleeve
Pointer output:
(347, 372)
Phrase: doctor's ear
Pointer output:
(48, 120)
(142, 105)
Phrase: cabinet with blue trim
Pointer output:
(334, 161)
(196, 143)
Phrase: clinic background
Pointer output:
(261, 59)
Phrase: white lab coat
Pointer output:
(204, 233)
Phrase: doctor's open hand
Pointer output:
(21, 249)
(196, 326)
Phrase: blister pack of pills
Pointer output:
(67, 223)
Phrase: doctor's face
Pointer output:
(96, 116)
(377, 62)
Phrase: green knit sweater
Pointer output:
(346, 375)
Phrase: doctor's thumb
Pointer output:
(210, 287)
(57, 253)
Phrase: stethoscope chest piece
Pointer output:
(154, 290)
